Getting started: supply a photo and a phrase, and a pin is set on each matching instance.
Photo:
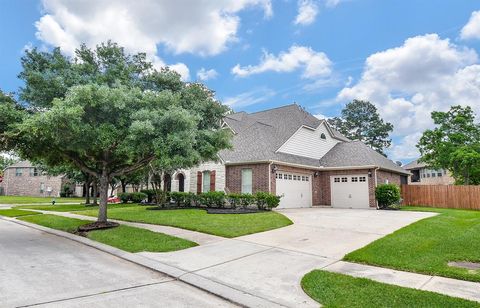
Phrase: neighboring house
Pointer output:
(289, 152)
(23, 179)
(422, 175)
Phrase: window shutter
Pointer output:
(212, 180)
(199, 182)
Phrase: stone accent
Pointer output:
(210, 166)
(260, 177)
(27, 184)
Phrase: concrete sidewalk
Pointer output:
(452, 287)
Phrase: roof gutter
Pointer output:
(319, 168)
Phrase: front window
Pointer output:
(18, 172)
(42, 187)
(246, 181)
(206, 181)
(33, 172)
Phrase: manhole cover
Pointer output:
(465, 264)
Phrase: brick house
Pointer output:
(421, 174)
(289, 152)
(23, 179)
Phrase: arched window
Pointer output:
(181, 181)
(322, 136)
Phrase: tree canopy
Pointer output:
(360, 120)
(110, 114)
(454, 144)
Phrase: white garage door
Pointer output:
(295, 188)
(349, 191)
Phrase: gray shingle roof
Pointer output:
(259, 135)
(414, 165)
(356, 153)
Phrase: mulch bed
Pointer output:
(232, 211)
(97, 226)
(159, 208)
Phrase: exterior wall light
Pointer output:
(274, 168)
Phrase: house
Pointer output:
(289, 152)
(421, 174)
(24, 179)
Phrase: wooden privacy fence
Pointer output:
(442, 196)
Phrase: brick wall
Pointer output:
(260, 177)
(27, 185)
(384, 176)
(324, 185)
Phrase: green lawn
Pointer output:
(16, 213)
(226, 225)
(29, 200)
(428, 245)
(124, 237)
(338, 290)
(71, 207)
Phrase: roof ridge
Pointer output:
(279, 107)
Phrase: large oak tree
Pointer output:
(111, 114)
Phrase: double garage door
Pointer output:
(295, 188)
(349, 191)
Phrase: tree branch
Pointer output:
(136, 166)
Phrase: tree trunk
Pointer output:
(124, 185)
(102, 208)
(88, 181)
(95, 192)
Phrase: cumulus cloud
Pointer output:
(472, 29)
(332, 3)
(407, 83)
(250, 98)
(205, 28)
(204, 74)
(314, 64)
(307, 12)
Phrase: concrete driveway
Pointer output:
(271, 264)
(37, 268)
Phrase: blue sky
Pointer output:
(407, 57)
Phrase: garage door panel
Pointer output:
(349, 191)
(295, 188)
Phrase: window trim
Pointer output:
(246, 188)
(206, 178)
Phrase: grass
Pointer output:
(16, 213)
(71, 207)
(226, 225)
(338, 290)
(124, 237)
(29, 200)
(428, 245)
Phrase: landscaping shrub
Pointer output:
(266, 201)
(234, 200)
(150, 194)
(191, 199)
(135, 197)
(387, 195)
(213, 199)
(124, 197)
(179, 198)
(246, 200)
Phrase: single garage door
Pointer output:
(295, 188)
(349, 191)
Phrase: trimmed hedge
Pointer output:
(218, 199)
(134, 197)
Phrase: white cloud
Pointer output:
(202, 27)
(472, 29)
(321, 116)
(332, 3)
(204, 74)
(307, 12)
(314, 64)
(249, 98)
(407, 83)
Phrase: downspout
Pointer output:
(375, 186)
(270, 177)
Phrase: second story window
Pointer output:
(33, 172)
(18, 171)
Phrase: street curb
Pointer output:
(223, 291)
